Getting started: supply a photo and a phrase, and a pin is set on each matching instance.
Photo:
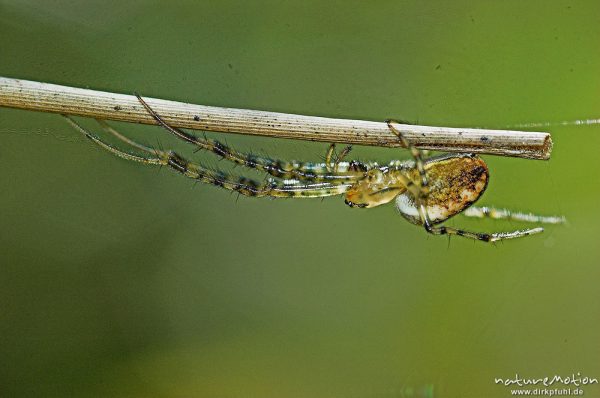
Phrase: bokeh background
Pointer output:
(122, 280)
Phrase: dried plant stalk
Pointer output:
(45, 97)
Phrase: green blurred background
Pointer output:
(122, 280)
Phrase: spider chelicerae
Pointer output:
(427, 192)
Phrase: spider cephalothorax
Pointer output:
(427, 191)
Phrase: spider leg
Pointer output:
(276, 168)
(106, 127)
(415, 152)
(242, 185)
(333, 166)
(329, 156)
(494, 213)
(485, 237)
(341, 157)
(110, 148)
(310, 189)
(421, 192)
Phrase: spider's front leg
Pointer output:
(304, 171)
(271, 188)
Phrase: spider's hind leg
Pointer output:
(485, 237)
(497, 214)
(415, 152)
(419, 191)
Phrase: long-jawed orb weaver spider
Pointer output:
(427, 192)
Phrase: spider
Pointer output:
(427, 192)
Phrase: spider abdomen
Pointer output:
(455, 182)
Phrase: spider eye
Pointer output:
(455, 183)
